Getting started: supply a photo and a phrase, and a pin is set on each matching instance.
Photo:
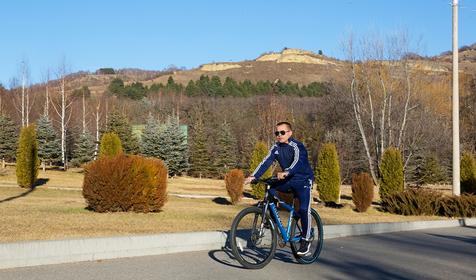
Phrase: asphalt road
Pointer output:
(428, 254)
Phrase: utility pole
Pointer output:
(456, 152)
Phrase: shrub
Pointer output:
(362, 191)
(468, 173)
(234, 181)
(426, 202)
(328, 173)
(414, 201)
(458, 206)
(125, 183)
(27, 158)
(259, 153)
(110, 145)
(391, 172)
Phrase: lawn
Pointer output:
(56, 210)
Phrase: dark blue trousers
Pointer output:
(301, 190)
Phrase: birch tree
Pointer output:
(63, 109)
(381, 89)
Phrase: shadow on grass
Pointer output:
(41, 182)
(27, 192)
(221, 201)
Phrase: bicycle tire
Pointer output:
(235, 236)
(316, 245)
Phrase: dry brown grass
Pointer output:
(56, 210)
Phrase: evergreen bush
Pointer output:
(27, 158)
(260, 151)
(110, 145)
(362, 191)
(234, 181)
(468, 173)
(328, 174)
(125, 183)
(391, 172)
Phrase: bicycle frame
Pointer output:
(284, 232)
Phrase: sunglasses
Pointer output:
(282, 132)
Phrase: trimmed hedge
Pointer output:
(110, 145)
(259, 153)
(328, 173)
(468, 173)
(391, 172)
(427, 202)
(234, 181)
(362, 191)
(125, 183)
(27, 158)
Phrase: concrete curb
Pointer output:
(32, 253)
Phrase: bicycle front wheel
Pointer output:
(317, 239)
(253, 239)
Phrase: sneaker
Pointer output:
(304, 248)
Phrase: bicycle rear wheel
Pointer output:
(317, 239)
(253, 246)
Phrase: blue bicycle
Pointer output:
(254, 238)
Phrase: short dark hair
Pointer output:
(285, 123)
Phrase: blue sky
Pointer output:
(155, 34)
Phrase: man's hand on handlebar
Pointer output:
(249, 179)
(282, 175)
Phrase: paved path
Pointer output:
(429, 254)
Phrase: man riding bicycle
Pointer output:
(297, 176)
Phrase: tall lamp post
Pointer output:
(455, 100)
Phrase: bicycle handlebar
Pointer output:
(267, 181)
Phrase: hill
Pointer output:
(294, 65)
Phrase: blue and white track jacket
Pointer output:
(292, 158)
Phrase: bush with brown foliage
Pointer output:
(125, 183)
(362, 191)
(234, 181)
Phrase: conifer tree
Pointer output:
(27, 158)
(119, 124)
(199, 156)
(468, 173)
(391, 172)
(431, 172)
(226, 153)
(110, 145)
(150, 142)
(328, 173)
(8, 139)
(173, 149)
(83, 149)
(49, 145)
(259, 153)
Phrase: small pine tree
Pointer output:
(259, 153)
(83, 149)
(110, 145)
(174, 148)
(328, 173)
(150, 142)
(49, 146)
(199, 156)
(391, 172)
(27, 158)
(431, 172)
(468, 173)
(119, 124)
(226, 154)
(8, 139)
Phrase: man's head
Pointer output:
(283, 132)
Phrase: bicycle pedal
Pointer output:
(281, 244)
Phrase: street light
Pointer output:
(455, 100)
